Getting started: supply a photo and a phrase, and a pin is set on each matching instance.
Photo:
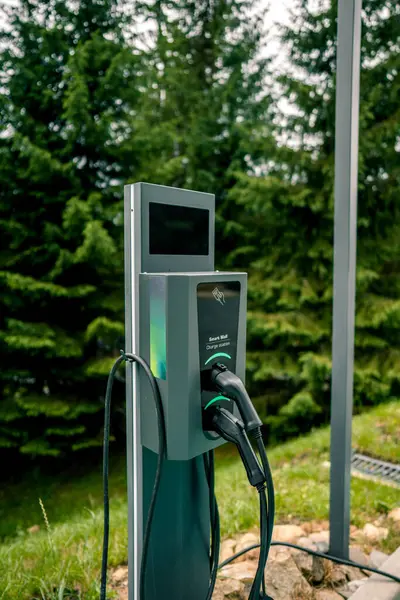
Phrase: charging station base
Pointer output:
(178, 565)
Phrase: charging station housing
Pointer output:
(189, 321)
(174, 302)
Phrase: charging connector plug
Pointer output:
(223, 380)
(232, 430)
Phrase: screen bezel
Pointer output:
(158, 263)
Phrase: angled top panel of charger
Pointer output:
(189, 321)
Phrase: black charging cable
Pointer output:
(128, 357)
(232, 429)
(339, 561)
(223, 380)
(271, 511)
(257, 436)
(214, 521)
(258, 582)
(209, 470)
(106, 500)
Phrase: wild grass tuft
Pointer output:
(46, 521)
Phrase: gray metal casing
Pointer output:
(180, 391)
(182, 522)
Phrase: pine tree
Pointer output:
(207, 113)
(64, 107)
(288, 217)
(82, 112)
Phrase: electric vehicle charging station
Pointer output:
(184, 401)
(181, 317)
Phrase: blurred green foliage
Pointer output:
(88, 104)
(287, 222)
(90, 101)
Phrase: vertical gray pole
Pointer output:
(345, 236)
(133, 266)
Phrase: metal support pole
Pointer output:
(345, 236)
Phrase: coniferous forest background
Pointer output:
(98, 93)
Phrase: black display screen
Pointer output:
(178, 229)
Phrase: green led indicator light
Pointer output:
(216, 399)
(216, 356)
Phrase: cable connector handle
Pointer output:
(232, 430)
(223, 380)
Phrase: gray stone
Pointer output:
(354, 532)
(322, 547)
(246, 540)
(287, 533)
(306, 543)
(284, 581)
(219, 590)
(345, 592)
(327, 595)
(378, 558)
(358, 556)
(352, 572)
(228, 589)
(227, 549)
(373, 533)
(233, 590)
(395, 514)
(242, 571)
(120, 576)
(337, 576)
(304, 563)
(380, 588)
(279, 553)
(119, 582)
(356, 583)
(318, 570)
(319, 536)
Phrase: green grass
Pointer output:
(53, 566)
(302, 493)
(64, 562)
(74, 492)
(378, 433)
